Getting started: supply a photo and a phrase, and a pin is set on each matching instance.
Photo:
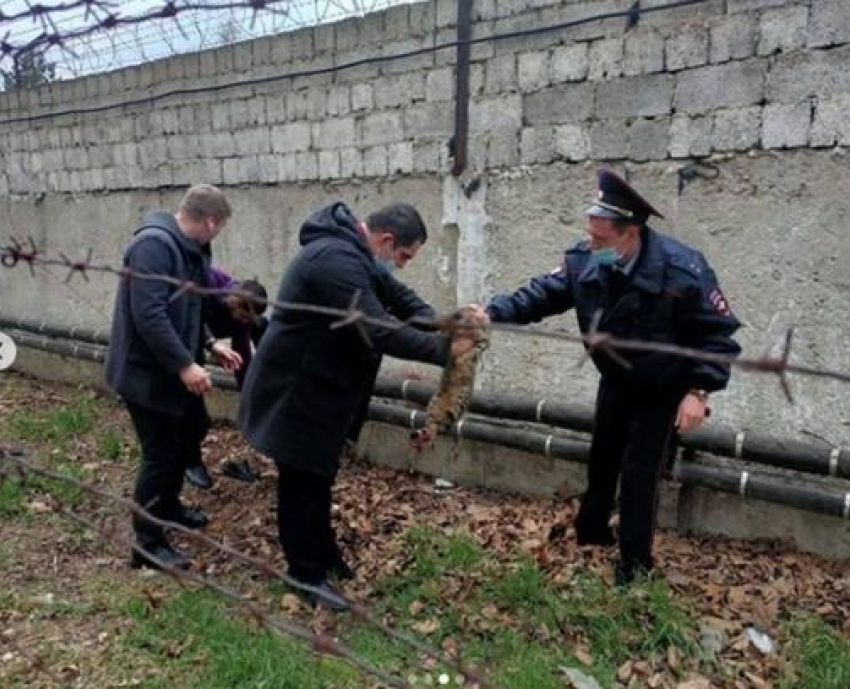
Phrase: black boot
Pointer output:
(327, 597)
(158, 556)
(198, 476)
(191, 519)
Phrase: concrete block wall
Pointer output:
(757, 89)
(733, 75)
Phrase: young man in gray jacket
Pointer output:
(155, 356)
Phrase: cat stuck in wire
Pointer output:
(452, 398)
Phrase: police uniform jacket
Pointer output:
(670, 295)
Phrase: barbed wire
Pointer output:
(99, 18)
(16, 462)
(26, 253)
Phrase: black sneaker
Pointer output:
(155, 557)
(199, 476)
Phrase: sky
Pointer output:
(193, 30)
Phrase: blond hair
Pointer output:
(203, 201)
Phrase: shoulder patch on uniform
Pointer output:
(718, 302)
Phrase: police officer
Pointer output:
(635, 283)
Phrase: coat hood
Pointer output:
(334, 221)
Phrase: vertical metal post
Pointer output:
(461, 134)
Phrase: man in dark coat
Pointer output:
(635, 283)
(400, 302)
(308, 380)
(155, 356)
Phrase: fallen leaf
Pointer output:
(583, 656)
(290, 603)
(578, 679)
(426, 626)
(694, 683)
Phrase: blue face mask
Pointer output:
(384, 266)
(606, 257)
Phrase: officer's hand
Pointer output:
(476, 313)
(691, 413)
(196, 379)
(226, 357)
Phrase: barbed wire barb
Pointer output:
(77, 266)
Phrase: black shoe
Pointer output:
(199, 476)
(157, 556)
(602, 537)
(241, 471)
(327, 597)
(191, 519)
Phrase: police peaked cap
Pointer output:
(616, 200)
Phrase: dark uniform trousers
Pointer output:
(169, 445)
(304, 524)
(632, 433)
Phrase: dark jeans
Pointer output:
(304, 524)
(169, 445)
(631, 438)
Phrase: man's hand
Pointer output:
(691, 413)
(465, 338)
(196, 379)
(227, 358)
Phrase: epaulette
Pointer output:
(690, 263)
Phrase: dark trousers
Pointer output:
(304, 524)
(169, 445)
(632, 433)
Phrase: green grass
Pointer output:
(50, 433)
(11, 497)
(513, 660)
(521, 589)
(109, 445)
(201, 644)
(818, 656)
(16, 494)
(57, 425)
(641, 622)
(529, 651)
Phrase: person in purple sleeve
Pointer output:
(240, 319)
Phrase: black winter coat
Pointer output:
(307, 380)
(154, 336)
